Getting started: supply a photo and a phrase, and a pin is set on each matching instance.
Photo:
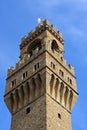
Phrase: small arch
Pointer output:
(66, 95)
(28, 109)
(61, 73)
(70, 81)
(33, 87)
(21, 95)
(26, 89)
(39, 83)
(27, 84)
(35, 45)
(22, 91)
(52, 78)
(59, 115)
(11, 101)
(56, 87)
(39, 78)
(17, 99)
(70, 99)
(61, 91)
(54, 45)
(51, 83)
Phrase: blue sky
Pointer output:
(18, 17)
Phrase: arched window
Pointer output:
(61, 73)
(33, 87)
(61, 91)
(66, 95)
(59, 115)
(54, 45)
(13, 83)
(69, 80)
(34, 46)
(56, 88)
(51, 83)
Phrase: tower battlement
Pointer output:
(39, 36)
(45, 25)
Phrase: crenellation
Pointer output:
(10, 70)
(39, 29)
(53, 28)
(46, 21)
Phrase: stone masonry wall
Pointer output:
(54, 110)
(35, 120)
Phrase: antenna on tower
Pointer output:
(39, 20)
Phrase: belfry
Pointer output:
(41, 89)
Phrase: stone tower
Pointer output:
(41, 89)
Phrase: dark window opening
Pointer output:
(69, 80)
(54, 46)
(36, 66)
(30, 53)
(52, 65)
(24, 75)
(13, 82)
(61, 58)
(39, 47)
(59, 115)
(61, 73)
(33, 47)
(28, 110)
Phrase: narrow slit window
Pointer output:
(52, 65)
(39, 47)
(25, 75)
(13, 82)
(70, 81)
(59, 115)
(61, 73)
(28, 110)
(36, 66)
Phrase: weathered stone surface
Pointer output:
(41, 90)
